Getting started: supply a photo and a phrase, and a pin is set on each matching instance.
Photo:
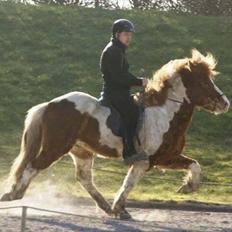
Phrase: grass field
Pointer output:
(47, 51)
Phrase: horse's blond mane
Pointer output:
(209, 60)
(173, 67)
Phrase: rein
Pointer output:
(181, 102)
(171, 99)
(175, 100)
(215, 103)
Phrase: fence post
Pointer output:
(23, 219)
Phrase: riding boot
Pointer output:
(130, 154)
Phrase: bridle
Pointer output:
(171, 99)
(175, 100)
(214, 103)
(181, 102)
(222, 94)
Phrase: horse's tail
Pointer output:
(31, 141)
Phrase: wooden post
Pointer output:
(23, 219)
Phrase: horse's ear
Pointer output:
(188, 66)
(191, 63)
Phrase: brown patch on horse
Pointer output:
(62, 126)
(173, 139)
(81, 152)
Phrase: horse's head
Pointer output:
(193, 78)
(198, 78)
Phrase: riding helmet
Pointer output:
(122, 25)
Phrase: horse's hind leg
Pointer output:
(47, 156)
(20, 184)
(83, 161)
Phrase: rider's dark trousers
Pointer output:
(123, 102)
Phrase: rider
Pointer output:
(117, 83)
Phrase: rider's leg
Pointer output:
(125, 105)
(130, 120)
(130, 116)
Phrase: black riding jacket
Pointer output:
(115, 70)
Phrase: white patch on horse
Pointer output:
(194, 174)
(28, 173)
(84, 102)
(195, 168)
(223, 97)
(34, 113)
(157, 118)
(107, 137)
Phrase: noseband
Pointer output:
(181, 102)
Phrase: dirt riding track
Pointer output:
(92, 219)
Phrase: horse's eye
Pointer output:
(204, 85)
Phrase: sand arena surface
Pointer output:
(93, 219)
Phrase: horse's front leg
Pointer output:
(135, 173)
(192, 179)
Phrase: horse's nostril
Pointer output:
(227, 104)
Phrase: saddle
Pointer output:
(115, 122)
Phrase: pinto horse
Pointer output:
(75, 123)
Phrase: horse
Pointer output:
(75, 124)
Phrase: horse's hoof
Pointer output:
(186, 188)
(6, 197)
(123, 215)
(109, 212)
